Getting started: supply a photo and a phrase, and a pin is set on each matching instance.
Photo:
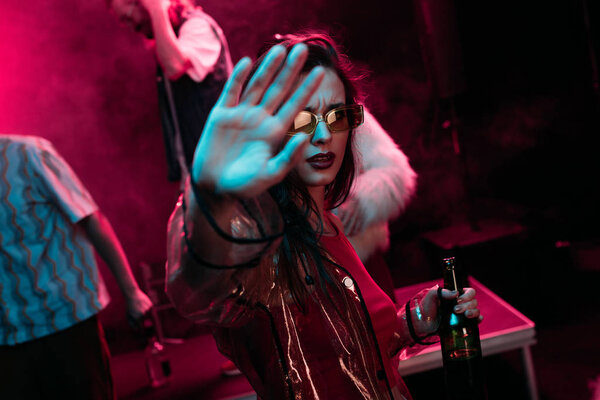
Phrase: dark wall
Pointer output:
(71, 74)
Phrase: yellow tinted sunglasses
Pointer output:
(337, 120)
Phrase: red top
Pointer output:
(381, 308)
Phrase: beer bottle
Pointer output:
(158, 365)
(461, 347)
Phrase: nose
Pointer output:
(322, 134)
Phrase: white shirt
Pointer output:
(198, 40)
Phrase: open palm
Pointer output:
(238, 150)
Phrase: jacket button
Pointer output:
(348, 282)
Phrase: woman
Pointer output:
(255, 253)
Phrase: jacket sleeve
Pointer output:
(216, 255)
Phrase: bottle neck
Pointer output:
(450, 281)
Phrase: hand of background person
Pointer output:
(430, 304)
(237, 152)
(138, 304)
(153, 6)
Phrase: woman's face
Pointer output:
(323, 156)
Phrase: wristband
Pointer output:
(411, 328)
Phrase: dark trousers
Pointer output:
(70, 364)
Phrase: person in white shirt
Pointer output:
(193, 65)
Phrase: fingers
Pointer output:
(431, 301)
(468, 294)
(135, 313)
(286, 78)
(468, 304)
(300, 96)
(287, 158)
(263, 75)
(469, 309)
(473, 313)
(233, 87)
(449, 295)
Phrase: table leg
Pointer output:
(530, 372)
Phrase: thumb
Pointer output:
(431, 301)
(291, 154)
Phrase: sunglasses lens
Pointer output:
(304, 122)
(338, 120)
(343, 118)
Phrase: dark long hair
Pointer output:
(300, 249)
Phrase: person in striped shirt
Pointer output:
(51, 342)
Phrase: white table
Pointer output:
(503, 329)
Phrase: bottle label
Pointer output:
(461, 344)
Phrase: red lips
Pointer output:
(321, 160)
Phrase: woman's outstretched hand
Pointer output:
(240, 150)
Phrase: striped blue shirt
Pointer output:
(49, 280)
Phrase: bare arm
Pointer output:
(170, 56)
(103, 238)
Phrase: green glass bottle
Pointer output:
(461, 347)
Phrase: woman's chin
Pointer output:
(313, 177)
(318, 181)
